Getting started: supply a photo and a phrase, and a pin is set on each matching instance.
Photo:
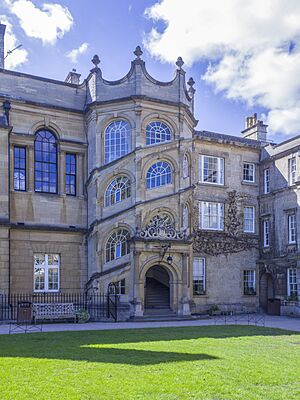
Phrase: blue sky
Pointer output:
(243, 55)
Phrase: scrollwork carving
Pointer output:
(232, 240)
(160, 228)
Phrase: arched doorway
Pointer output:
(266, 290)
(157, 290)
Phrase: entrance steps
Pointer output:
(157, 295)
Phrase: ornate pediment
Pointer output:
(161, 228)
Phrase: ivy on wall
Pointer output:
(232, 239)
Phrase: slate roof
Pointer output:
(214, 136)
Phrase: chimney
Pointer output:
(255, 129)
(2, 34)
(73, 77)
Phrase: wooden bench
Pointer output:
(50, 311)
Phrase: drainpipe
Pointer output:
(6, 107)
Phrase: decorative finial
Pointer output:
(96, 60)
(73, 69)
(179, 62)
(138, 52)
(191, 82)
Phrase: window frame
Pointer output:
(249, 282)
(123, 179)
(113, 141)
(18, 169)
(292, 168)
(185, 217)
(220, 171)
(253, 219)
(120, 287)
(46, 268)
(201, 277)
(74, 175)
(111, 253)
(254, 172)
(167, 177)
(153, 136)
(292, 285)
(185, 166)
(266, 180)
(266, 233)
(292, 230)
(220, 215)
(45, 163)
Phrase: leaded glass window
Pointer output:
(118, 190)
(211, 215)
(117, 139)
(45, 162)
(198, 276)
(185, 217)
(117, 245)
(292, 286)
(157, 132)
(19, 168)
(46, 272)
(211, 170)
(249, 219)
(249, 282)
(71, 174)
(185, 166)
(159, 174)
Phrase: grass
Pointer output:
(211, 363)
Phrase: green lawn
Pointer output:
(211, 363)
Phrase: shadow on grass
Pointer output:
(78, 346)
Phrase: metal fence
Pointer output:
(100, 307)
(231, 317)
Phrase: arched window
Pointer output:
(157, 132)
(45, 162)
(117, 138)
(185, 166)
(117, 245)
(159, 174)
(118, 190)
(185, 217)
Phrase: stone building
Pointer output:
(109, 181)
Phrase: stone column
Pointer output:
(185, 305)
(30, 168)
(137, 286)
(79, 175)
(62, 173)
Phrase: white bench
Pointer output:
(43, 311)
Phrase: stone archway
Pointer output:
(266, 290)
(157, 289)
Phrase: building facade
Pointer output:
(109, 181)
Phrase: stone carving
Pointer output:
(179, 62)
(160, 228)
(138, 52)
(231, 240)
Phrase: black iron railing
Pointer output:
(97, 306)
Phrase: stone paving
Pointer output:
(287, 323)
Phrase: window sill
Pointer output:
(249, 294)
(249, 183)
(211, 230)
(217, 185)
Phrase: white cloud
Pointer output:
(48, 24)
(253, 47)
(17, 57)
(75, 53)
